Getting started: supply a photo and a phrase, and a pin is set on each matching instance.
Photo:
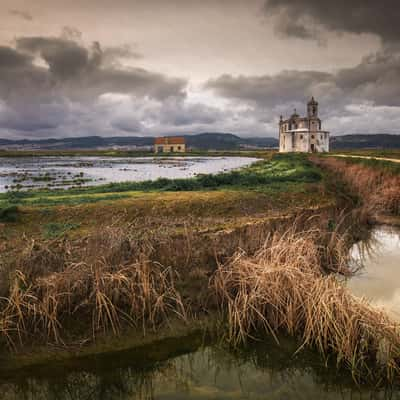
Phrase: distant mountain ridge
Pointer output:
(365, 141)
(201, 141)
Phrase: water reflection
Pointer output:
(379, 279)
(260, 371)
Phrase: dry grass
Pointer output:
(284, 289)
(280, 281)
(51, 292)
(378, 189)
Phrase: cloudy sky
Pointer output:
(154, 67)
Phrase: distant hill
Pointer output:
(202, 141)
(364, 141)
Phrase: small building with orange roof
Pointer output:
(170, 144)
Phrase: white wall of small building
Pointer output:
(302, 141)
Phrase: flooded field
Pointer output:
(22, 173)
(196, 371)
(379, 278)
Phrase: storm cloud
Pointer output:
(302, 18)
(73, 66)
(157, 67)
(374, 80)
(44, 78)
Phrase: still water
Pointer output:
(20, 173)
(197, 371)
(194, 367)
(379, 278)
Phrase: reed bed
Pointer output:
(283, 289)
(51, 294)
(377, 188)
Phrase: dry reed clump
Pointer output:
(105, 290)
(378, 190)
(282, 289)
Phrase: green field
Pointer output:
(281, 172)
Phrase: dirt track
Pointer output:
(396, 160)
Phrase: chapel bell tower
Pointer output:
(312, 108)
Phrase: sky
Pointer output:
(164, 67)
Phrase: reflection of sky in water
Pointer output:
(379, 280)
(101, 170)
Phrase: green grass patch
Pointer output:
(70, 200)
(54, 230)
(281, 170)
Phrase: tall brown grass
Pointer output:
(283, 288)
(51, 293)
(378, 189)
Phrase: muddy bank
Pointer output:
(131, 348)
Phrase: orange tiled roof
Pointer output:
(170, 140)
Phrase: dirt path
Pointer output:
(396, 160)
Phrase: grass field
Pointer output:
(274, 186)
(277, 171)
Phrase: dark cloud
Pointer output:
(83, 71)
(65, 58)
(374, 79)
(285, 87)
(47, 81)
(10, 58)
(364, 98)
(113, 54)
(300, 18)
(21, 14)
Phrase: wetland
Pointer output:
(250, 246)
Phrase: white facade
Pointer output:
(303, 134)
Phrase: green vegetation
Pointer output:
(284, 171)
(8, 213)
(55, 230)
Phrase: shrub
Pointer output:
(9, 214)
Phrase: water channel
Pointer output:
(193, 367)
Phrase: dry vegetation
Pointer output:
(284, 288)
(124, 274)
(377, 188)
(269, 275)
(50, 294)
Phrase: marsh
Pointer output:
(22, 173)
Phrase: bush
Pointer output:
(9, 214)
